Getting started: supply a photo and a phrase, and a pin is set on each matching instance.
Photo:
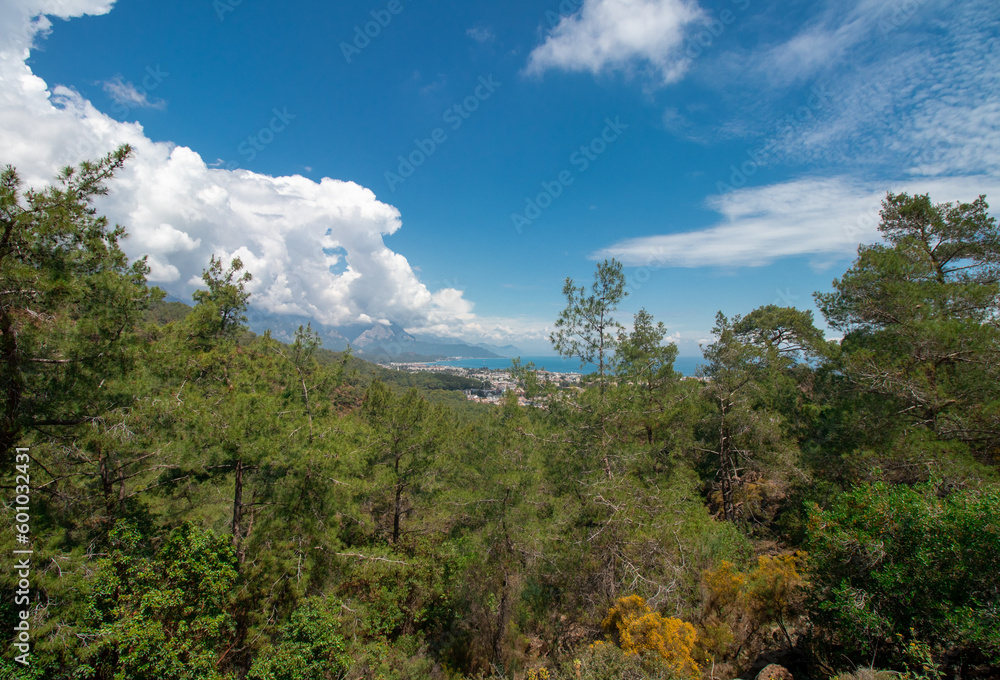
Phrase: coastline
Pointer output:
(686, 366)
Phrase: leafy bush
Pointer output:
(904, 575)
(166, 617)
(310, 647)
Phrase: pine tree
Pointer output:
(69, 302)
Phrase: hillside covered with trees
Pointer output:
(207, 503)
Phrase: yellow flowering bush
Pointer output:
(639, 630)
(773, 583)
(724, 584)
(740, 605)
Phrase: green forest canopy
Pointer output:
(208, 503)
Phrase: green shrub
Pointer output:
(310, 647)
(904, 575)
(165, 617)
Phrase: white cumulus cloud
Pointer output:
(314, 248)
(610, 35)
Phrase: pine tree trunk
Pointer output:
(9, 430)
(238, 513)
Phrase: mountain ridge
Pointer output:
(375, 342)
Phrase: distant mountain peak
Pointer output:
(384, 342)
(380, 333)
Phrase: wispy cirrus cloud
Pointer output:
(821, 44)
(481, 34)
(912, 88)
(917, 101)
(128, 95)
(824, 219)
(620, 35)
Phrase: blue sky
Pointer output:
(448, 170)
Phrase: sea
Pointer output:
(683, 365)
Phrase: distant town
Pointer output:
(496, 382)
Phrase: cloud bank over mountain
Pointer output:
(315, 249)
